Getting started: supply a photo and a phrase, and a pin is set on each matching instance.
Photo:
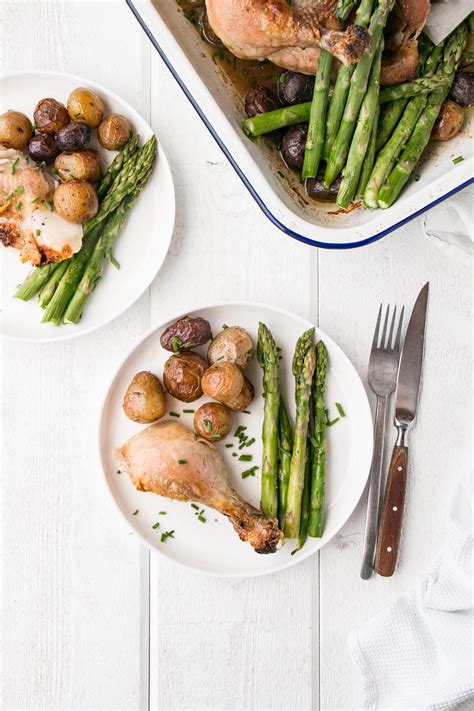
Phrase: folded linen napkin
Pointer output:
(451, 223)
(418, 654)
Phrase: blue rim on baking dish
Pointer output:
(295, 234)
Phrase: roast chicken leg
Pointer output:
(169, 460)
(290, 35)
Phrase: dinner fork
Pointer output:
(382, 376)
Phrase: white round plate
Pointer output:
(141, 247)
(213, 547)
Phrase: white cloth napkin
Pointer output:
(451, 223)
(418, 654)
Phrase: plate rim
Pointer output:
(304, 555)
(163, 159)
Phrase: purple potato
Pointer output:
(293, 145)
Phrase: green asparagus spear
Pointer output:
(49, 288)
(285, 448)
(423, 85)
(369, 159)
(344, 9)
(39, 276)
(420, 136)
(272, 120)
(362, 134)
(116, 166)
(388, 119)
(305, 499)
(304, 363)
(318, 471)
(74, 308)
(267, 355)
(317, 118)
(341, 87)
(356, 95)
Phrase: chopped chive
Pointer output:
(249, 442)
(175, 344)
(240, 430)
(459, 159)
(135, 512)
(18, 205)
(182, 461)
(215, 436)
(167, 534)
(333, 422)
(8, 197)
(173, 414)
(340, 409)
(54, 171)
(416, 177)
(224, 326)
(20, 190)
(114, 262)
(14, 165)
(245, 458)
(195, 506)
(246, 412)
(48, 205)
(156, 525)
(249, 472)
(34, 200)
(189, 410)
(202, 519)
(161, 513)
(38, 232)
(234, 454)
(208, 425)
(228, 446)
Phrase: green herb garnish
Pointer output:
(174, 414)
(459, 159)
(135, 512)
(340, 409)
(167, 534)
(14, 165)
(156, 525)
(182, 461)
(249, 472)
(245, 458)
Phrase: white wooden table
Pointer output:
(91, 619)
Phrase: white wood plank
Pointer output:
(226, 644)
(352, 286)
(73, 577)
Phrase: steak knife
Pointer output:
(408, 388)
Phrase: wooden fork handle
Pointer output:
(392, 513)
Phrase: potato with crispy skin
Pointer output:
(85, 106)
(223, 381)
(213, 421)
(78, 165)
(76, 201)
(243, 399)
(145, 399)
(186, 333)
(182, 376)
(449, 121)
(114, 132)
(15, 129)
(50, 115)
(232, 345)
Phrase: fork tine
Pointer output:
(377, 327)
(384, 330)
(399, 331)
(392, 325)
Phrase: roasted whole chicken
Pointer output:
(290, 35)
(169, 460)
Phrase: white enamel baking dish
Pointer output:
(190, 62)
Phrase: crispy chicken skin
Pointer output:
(290, 35)
(152, 460)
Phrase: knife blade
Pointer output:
(444, 17)
(406, 403)
(411, 361)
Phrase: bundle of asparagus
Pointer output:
(65, 287)
(349, 132)
(294, 463)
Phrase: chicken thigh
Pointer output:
(289, 35)
(169, 460)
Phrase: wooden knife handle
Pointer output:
(392, 513)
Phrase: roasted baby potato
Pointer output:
(223, 381)
(145, 399)
(213, 421)
(15, 129)
(295, 88)
(243, 399)
(317, 191)
(185, 334)
(449, 121)
(76, 201)
(259, 100)
(85, 106)
(293, 146)
(50, 115)
(182, 376)
(78, 165)
(232, 345)
(462, 90)
(43, 148)
(114, 131)
(73, 137)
